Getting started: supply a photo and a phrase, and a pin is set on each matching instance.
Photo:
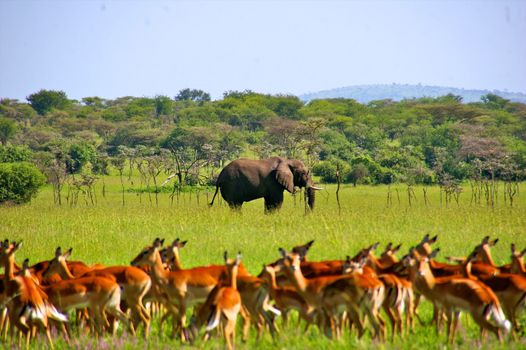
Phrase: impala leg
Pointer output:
(456, 316)
(246, 323)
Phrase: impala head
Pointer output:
(267, 273)
(483, 250)
(302, 250)
(424, 247)
(388, 255)
(148, 256)
(170, 254)
(350, 266)
(289, 261)
(232, 266)
(423, 264)
(58, 264)
(8, 250)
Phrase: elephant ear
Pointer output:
(285, 177)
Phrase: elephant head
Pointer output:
(293, 173)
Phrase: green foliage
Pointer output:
(415, 140)
(163, 105)
(494, 101)
(78, 155)
(19, 182)
(193, 95)
(358, 172)
(328, 171)
(12, 153)
(45, 100)
(7, 130)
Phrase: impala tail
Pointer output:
(54, 314)
(262, 299)
(213, 319)
(495, 312)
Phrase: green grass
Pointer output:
(110, 233)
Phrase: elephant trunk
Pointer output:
(310, 193)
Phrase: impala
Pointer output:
(313, 291)
(27, 305)
(222, 305)
(455, 293)
(98, 294)
(134, 282)
(253, 290)
(179, 288)
(509, 288)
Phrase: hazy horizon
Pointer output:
(113, 49)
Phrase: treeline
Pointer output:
(428, 140)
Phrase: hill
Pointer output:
(397, 92)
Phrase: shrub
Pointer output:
(326, 170)
(11, 153)
(19, 182)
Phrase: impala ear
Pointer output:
(58, 252)
(388, 246)
(238, 259)
(16, 246)
(374, 246)
(434, 253)
(396, 249)
(425, 238)
(492, 243)
(67, 254)
(285, 177)
(225, 256)
(182, 244)
(433, 240)
(513, 249)
(523, 252)
(485, 240)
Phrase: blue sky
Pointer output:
(144, 48)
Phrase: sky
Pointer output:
(146, 48)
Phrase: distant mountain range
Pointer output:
(397, 92)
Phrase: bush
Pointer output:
(326, 170)
(11, 153)
(19, 182)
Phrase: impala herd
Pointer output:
(333, 295)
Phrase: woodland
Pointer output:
(425, 141)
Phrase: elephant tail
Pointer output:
(215, 194)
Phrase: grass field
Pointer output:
(110, 233)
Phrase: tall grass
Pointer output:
(110, 233)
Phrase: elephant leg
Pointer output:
(273, 201)
(235, 205)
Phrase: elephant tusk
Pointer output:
(316, 188)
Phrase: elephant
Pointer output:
(244, 180)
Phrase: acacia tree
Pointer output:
(45, 100)
(193, 95)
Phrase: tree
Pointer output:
(45, 100)
(494, 101)
(19, 182)
(79, 155)
(163, 105)
(193, 95)
(7, 130)
(358, 172)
